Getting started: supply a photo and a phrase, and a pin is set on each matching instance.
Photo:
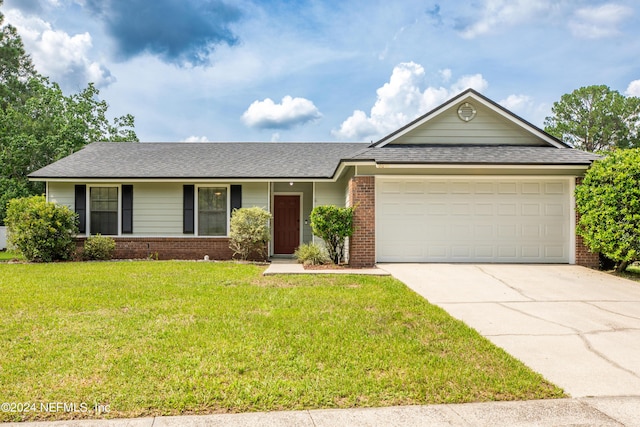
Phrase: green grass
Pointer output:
(9, 256)
(632, 272)
(160, 338)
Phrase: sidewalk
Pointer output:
(288, 266)
(601, 411)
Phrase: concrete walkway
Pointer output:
(603, 412)
(578, 327)
(284, 266)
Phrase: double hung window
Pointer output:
(212, 211)
(103, 205)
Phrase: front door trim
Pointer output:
(273, 208)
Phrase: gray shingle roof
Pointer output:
(202, 160)
(243, 160)
(475, 154)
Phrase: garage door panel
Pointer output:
(507, 209)
(460, 208)
(554, 209)
(483, 209)
(467, 220)
(531, 252)
(554, 251)
(461, 252)
(437, 208)
(530, 188)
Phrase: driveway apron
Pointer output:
(578, 327)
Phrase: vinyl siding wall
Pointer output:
(255, 194)
(487, 128)
(62, 193)
(157, 207)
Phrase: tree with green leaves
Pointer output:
(39, 124)
(333, 225)
(596, 118)
(608, 200)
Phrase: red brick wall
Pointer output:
(170, 247)
(584, 256)
(362, 244)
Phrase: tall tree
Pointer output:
(39, 124)
(596, 118)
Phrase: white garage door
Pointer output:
(473, 220)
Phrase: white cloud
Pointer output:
(56, 54)
(598, 21)
(401, 100)
(445, 74)
(516, 102)
(289, 113)
(194, 138)
(633, 89)
(501, 13)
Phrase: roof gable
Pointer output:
(470, 119)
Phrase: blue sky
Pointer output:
(296, 70)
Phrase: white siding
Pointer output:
(3, 237)
(62, 193)
(330, 193)
(157, 209)
(487, 128)
(255, 194)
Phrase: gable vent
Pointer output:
(466, 112)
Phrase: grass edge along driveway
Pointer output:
(167, 338)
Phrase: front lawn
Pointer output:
(632, 272)
(9, 256)
(160, 338)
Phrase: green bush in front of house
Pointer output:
(249, 233)
(333, 225)
(99, 248)
(608, 201)
(311, 254)
(41, 231)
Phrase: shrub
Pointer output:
(41, 231)
(99, 247)
(249, 233)
(608, 201)
(311, 254)
(333, 225)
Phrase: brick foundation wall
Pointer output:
(169, 248)
(584, 256)
(362, 244)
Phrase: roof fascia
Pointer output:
(476, 96)
(478, 166)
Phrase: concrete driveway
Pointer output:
(579, 328)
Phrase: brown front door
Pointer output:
(286, 224)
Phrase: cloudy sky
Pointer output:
(335, 70)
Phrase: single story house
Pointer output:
(467, 182)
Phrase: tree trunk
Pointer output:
(622, 266)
